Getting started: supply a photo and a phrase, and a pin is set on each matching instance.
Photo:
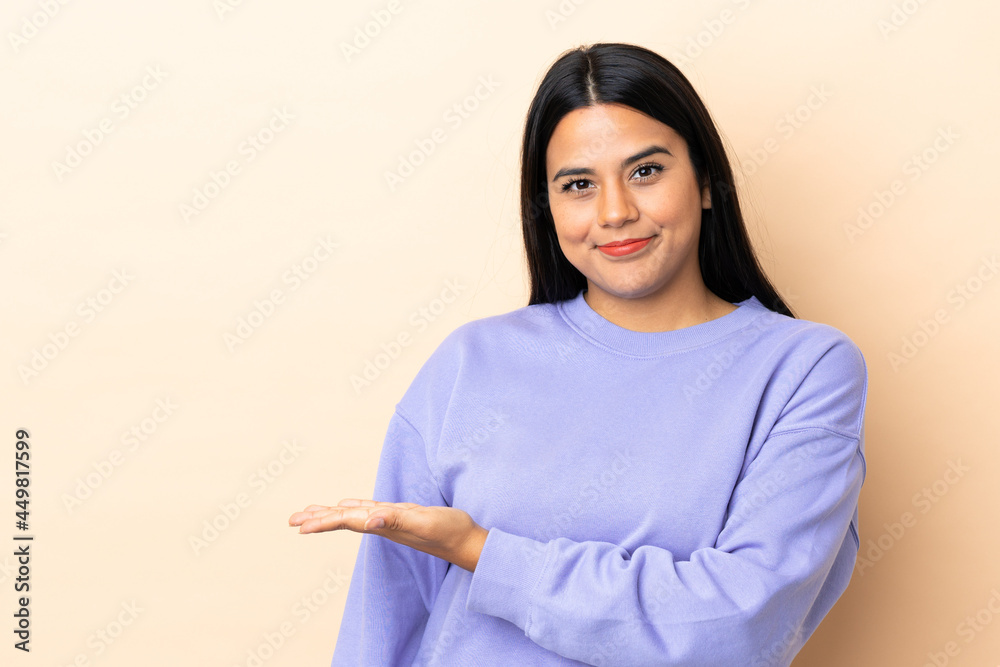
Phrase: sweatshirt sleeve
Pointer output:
(783, 557)
(393, 587)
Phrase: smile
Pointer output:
(627, 247)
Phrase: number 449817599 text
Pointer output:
(22, 550)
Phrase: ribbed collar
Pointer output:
(589, 324)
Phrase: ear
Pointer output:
(706, 195)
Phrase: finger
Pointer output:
(319, 514)
(355, 502)
(316, 511)
(356, 519)
(298, 517)
(318, 522)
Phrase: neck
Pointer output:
(665, 310)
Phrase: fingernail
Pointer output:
(377, 523)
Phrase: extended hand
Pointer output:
(444, 532)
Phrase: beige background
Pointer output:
(867, 85)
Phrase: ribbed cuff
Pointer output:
(509, 567)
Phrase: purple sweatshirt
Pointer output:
(685, 497)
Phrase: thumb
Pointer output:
(376, 521)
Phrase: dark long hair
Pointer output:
(613, 73)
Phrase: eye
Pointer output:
(652, 167)
(568, 185)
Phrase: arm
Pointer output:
(393, 587)
(783, 557)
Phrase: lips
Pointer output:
(618, 243)
(626, 247)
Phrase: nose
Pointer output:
(616, 205)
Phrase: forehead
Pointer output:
(607, 131)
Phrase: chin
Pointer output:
(629, 291)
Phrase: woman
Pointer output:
(654, 462)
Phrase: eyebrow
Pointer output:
(652, 150)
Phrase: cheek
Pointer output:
(570, 222)
(672, 210)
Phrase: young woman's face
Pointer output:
(615, 174)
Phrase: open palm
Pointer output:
(444, 532)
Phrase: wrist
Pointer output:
(472, 548)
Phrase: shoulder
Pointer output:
(481, 344)
(512, 329)
(817, 371)
(520, 321)
(807, 342)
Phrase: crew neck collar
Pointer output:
(589, 324)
